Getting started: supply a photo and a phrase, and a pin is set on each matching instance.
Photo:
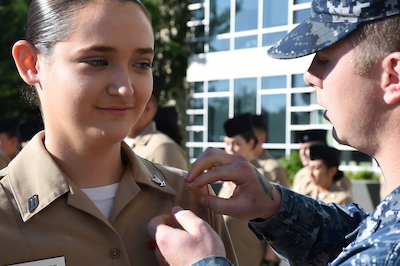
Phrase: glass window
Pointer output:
(301, 118)
(272, 38)
(300, 15)
(219, 45)
(198, 87)
(198, 14)
(197, 120)
(246, 15)
(298, 81)
(274, 82)
(218, 85)
(197, 47)
(198, 136)
(217, 115)
(196, 103)
(274, 109)
(220, 12)
(197, 152)
(246, 42)
(245, 95)
(355, 158)
(301, 99)
(198, 31)
(275, 13)
(277, 153)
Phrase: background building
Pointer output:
(230, 73)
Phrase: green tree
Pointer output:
(169, 18)
(12, 28)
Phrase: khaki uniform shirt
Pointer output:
(303, 185)
(159, 148)
(249, 250)
(4, 160)
(267, 163)
(43, 214)
(336, 195)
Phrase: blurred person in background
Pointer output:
(28, 129)
(263, 160)
(151, 144)
(9, 142)
(301, 181)
(324, 173)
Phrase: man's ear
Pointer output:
(25, 56)
(391, 78)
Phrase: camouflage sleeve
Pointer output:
(213, 261)
(308, 232)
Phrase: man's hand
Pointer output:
(254, 197)
(177, 247)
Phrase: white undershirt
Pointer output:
(129, 141)
(103, 197)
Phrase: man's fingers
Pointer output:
(237, 172)
(190, 222)
(160, 220)
(209, 159)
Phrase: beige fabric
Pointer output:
(159, 148)
(336, 195)
(303, 185)
(267, 163)
(249, 250)
(67, 223)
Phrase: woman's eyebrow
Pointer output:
(110, 49)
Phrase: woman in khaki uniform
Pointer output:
(77, 194)
(324, 174)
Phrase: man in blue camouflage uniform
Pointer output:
(356, 74)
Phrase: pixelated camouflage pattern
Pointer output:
(309, 232)
(213, 261)
(329, 22)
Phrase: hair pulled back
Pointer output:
(51, 21)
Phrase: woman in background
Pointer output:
(324, 172)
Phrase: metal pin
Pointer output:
(159, 181)
(33, 203)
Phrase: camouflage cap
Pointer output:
(329, 22)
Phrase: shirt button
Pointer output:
(115, 253)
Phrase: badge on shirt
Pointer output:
(59, 261)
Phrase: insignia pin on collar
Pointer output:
(158, 181)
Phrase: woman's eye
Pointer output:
(97, 62)
(144, 65)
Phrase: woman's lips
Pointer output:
(117, 110)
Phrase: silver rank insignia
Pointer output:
(159, 181)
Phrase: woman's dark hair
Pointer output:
(50, 21)
(330, 157)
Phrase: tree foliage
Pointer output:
(12, 28)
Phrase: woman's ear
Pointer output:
(25, 56)
(391, 78)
